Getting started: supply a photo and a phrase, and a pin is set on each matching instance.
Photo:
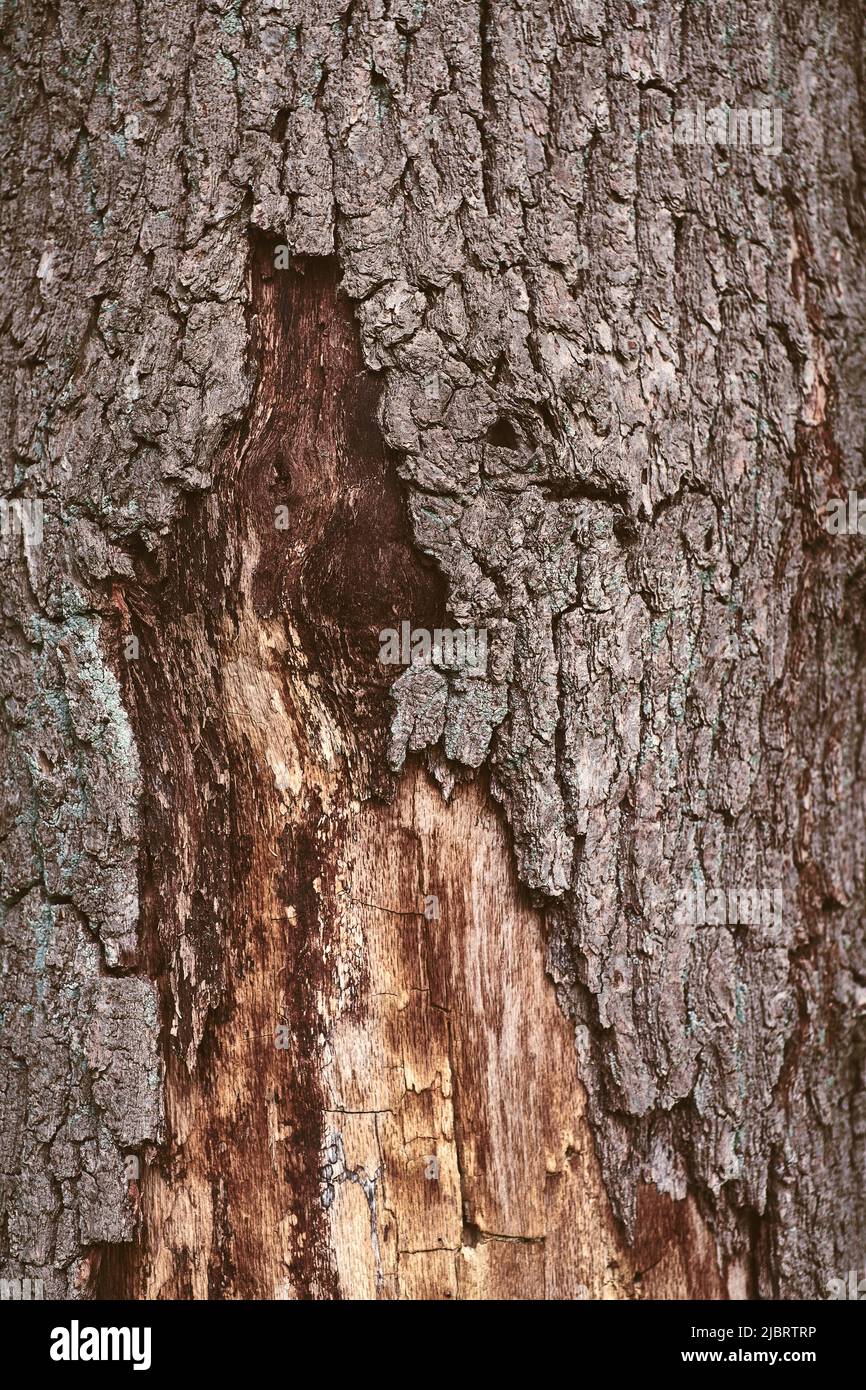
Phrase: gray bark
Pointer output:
(620, 377)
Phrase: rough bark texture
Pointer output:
(616, 380)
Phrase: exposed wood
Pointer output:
(363, 1098)
(458, 1052)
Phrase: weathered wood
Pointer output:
(618, 377)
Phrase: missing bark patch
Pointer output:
(258, 697)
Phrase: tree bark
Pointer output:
(324, 318)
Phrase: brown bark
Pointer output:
(535, 368)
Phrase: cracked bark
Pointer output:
(538, 369)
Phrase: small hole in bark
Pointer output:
(549, 419)
(381, 94)
(625, 530)
(503, 435)
(579, 849)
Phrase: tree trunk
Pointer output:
(325, 977)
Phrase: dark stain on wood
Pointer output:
(248, 618)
